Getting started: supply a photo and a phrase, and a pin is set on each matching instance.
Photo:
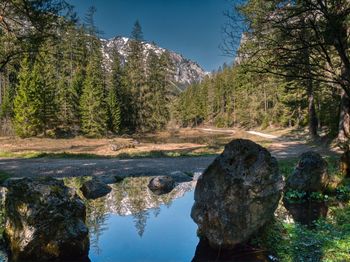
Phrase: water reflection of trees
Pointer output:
(140, 220)
(130, 197)
(96, 221)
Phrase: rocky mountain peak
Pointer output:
(186, 71)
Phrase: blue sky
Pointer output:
(189, 27)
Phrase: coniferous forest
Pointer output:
(54, 82)
(291, 70)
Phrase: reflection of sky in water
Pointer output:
(169, 235)
(133, 224)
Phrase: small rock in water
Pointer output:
(45, 220)
(310, 175)
(161, 185)
(237, 194)
(95, 188)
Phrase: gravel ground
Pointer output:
(281, 148)
(97, 167)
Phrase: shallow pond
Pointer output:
(163, 233)
(133, 224)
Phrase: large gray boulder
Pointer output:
(310, 174)
(237, 194)
(45, 220)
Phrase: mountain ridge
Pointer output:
(186, 71)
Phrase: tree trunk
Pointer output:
(313, 120)
(344, 118)
(0, 88)
(312, 117)
(340, 43)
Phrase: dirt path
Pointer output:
(96, 167)
(262, 134)
(280, 147)
(283, 147)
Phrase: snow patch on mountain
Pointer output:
(186, 71)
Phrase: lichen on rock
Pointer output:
(45, 220)
(310, 174)
(237, 194)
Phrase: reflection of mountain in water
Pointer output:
(129, 197)
(132, 196)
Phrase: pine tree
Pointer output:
(114, 93)
(27, 104)
(73, 53)
(93, 106)
(135, 81)
(137, 33)
(159, 82)
(48, 110)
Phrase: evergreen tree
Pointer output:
(137, 33)
(93, 106)
(159, 82)
(135, 81)
(27, 102)
(48, 111)
(73, 54)
(114, 93)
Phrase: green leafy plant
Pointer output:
(343, 192)
(295, 196)
(318, 196)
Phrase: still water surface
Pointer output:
(168, 234)
(133, 224)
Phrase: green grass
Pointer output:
(158, 154)
(19, 155)
(150, 154)
(47, 155)
(286, 166)
(327, 240)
